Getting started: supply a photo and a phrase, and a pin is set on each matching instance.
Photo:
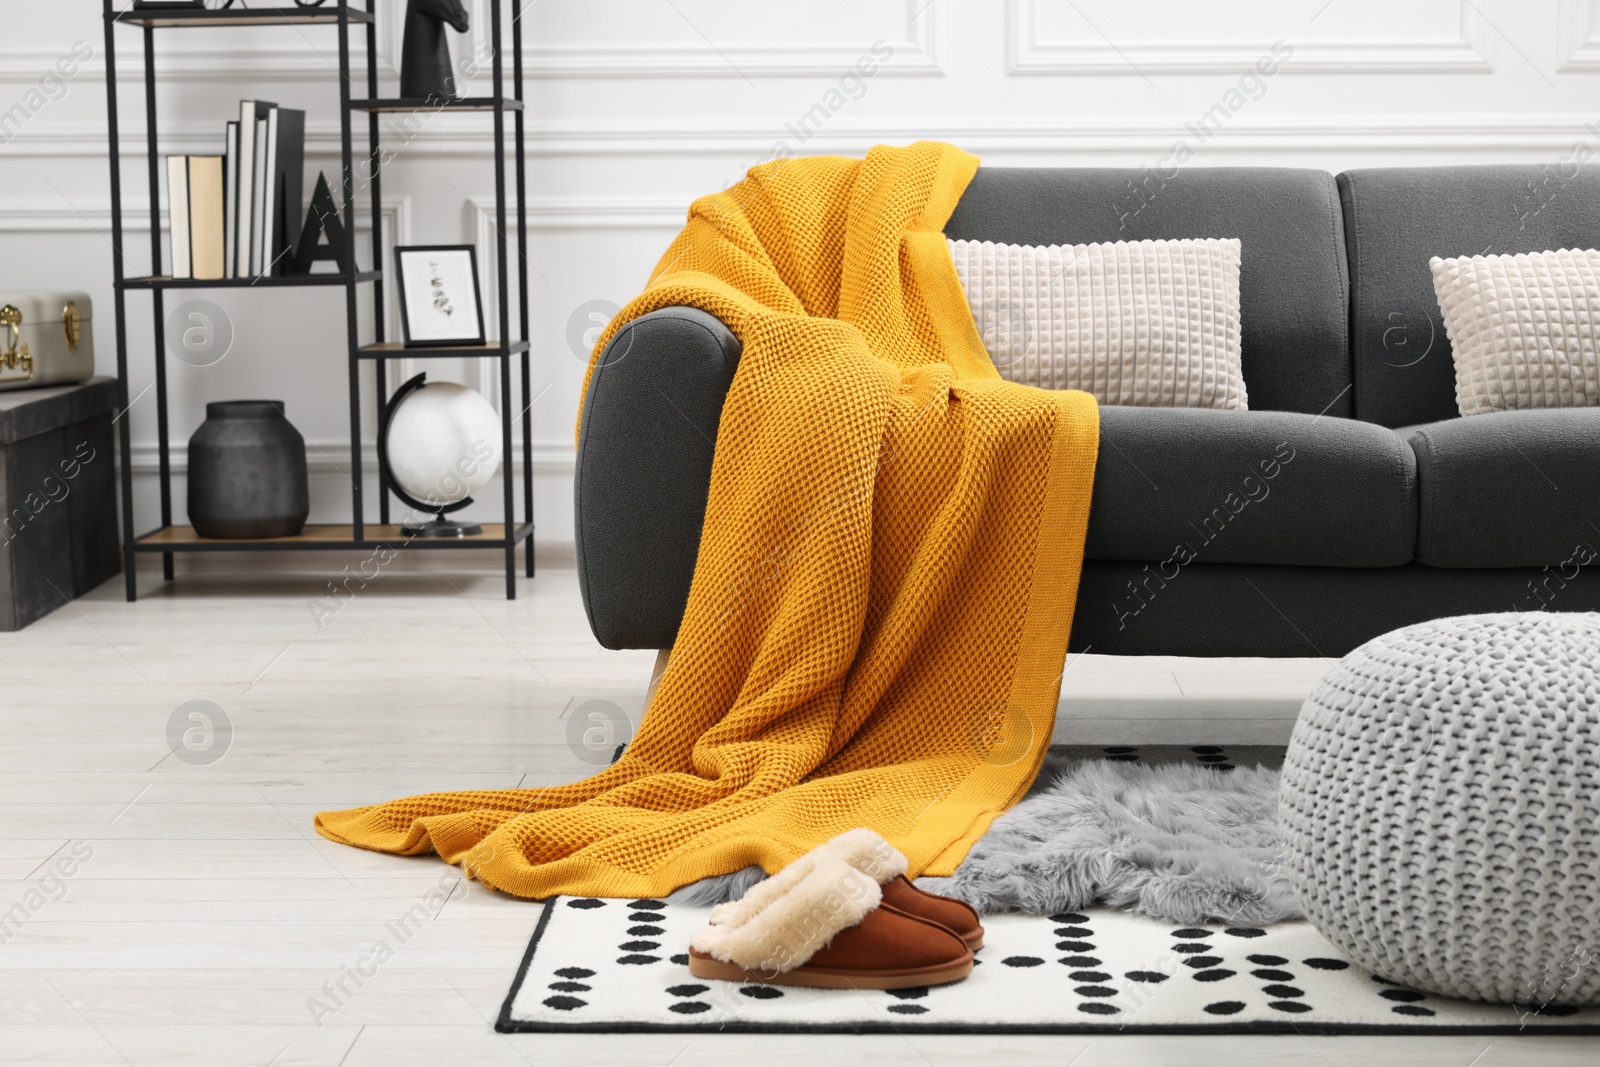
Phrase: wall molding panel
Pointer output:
(1028, 54)
(1579, 36)
(480, 225)
(19, 215)
(752, 141)
(915, 55)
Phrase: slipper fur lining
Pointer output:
(869, 853)
(763, 893)
(799, 917)
(863, 849)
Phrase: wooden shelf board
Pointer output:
(184, 539)
(396, 350)
(470, 103)
(162, 281)
(271, 16)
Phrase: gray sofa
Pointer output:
(1349, 500)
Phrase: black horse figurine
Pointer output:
(425, 71)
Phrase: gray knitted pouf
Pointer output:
(1440, 803)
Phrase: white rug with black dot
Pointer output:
(617, 966)
(621, 965)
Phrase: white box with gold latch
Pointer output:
(46, 338)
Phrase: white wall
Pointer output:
(637, 106)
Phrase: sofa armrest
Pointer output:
(645, 443)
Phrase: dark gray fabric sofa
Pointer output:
(1349, 500)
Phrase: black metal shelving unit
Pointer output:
(168, 539)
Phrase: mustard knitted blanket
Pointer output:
(879, 613)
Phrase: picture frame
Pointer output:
(441, 304)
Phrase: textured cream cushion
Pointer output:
(1140, 323)
(1523, 327)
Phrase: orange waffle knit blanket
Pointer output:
(879, 614)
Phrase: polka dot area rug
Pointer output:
(621, 966)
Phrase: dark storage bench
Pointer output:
(58, 505)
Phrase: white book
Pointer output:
(258, 189)
(269, 194)
(230, 175)
(178, 214)
(241, 203)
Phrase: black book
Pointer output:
(286, 161)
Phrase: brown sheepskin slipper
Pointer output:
(870, 854)
(886, 950)
(825, 926)
(957, 916)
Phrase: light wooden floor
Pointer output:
(210, 914)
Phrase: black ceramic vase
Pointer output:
(247, 472)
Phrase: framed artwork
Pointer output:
(440, 303)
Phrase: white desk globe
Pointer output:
(443, 443)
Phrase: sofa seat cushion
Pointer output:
(1191, 484)
(1509, 489)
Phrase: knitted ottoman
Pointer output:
(1439, 807)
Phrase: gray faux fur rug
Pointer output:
(1179, 842)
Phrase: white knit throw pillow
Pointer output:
(1141, 323)
(1523, 328)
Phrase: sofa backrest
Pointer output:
(1397, 219)
(1292, 280)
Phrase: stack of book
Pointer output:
(237, 215)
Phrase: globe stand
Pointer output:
(441, 527)
(438, 527)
